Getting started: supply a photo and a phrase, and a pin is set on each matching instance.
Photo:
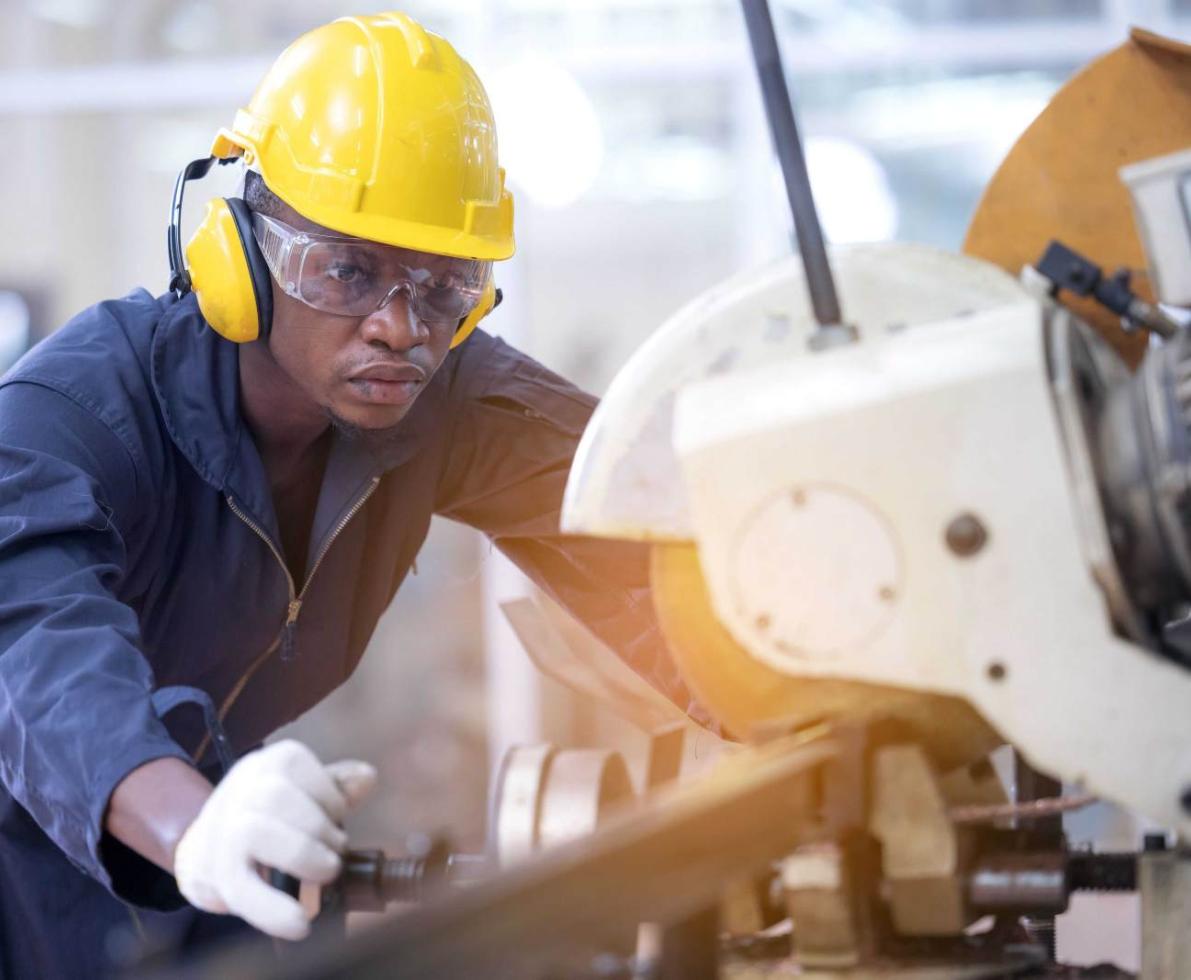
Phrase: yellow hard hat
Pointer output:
(376, 128)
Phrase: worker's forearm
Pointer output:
(153, 805)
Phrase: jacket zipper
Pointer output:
(295, 601)
(284, 639)
(295, 597)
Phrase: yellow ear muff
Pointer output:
(486, 305)
(225, 269)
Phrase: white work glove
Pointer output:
(279, 807)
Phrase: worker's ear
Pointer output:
(488, 302)
(228, 273)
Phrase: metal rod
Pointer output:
(780, 111)
(663, 863)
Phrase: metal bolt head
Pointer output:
(966, 535)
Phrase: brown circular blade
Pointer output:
(1060, 179)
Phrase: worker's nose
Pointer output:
(394, 325)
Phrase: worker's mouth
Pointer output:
(388, 384)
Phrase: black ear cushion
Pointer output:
(258, 269)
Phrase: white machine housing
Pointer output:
(820, 487)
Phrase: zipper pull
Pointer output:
(288, 649)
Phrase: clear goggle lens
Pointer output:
(349, 277)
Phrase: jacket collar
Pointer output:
(196, 377)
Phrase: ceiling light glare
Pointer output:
(852, 192)
(551, 141)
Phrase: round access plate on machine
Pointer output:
(816, 572)
(752, 699)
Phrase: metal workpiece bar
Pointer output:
(662, 863)
(1040, 882)
(780, 111)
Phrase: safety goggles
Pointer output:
(351, 277)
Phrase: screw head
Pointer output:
(997, 671)
(966, 535)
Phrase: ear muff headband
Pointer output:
(179, 280)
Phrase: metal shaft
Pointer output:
(788, 143)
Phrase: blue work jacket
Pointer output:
(139, 550)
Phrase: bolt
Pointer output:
(997, 671)
(966, 535)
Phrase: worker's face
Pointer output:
(365, 372)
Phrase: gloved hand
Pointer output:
(280, 807)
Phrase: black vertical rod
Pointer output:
(780, 111)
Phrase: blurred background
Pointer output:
(634, 139)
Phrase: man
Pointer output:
(211, 497)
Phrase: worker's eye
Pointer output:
(448, 302)
(346, 273)
(340, 266)
(444, 282)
